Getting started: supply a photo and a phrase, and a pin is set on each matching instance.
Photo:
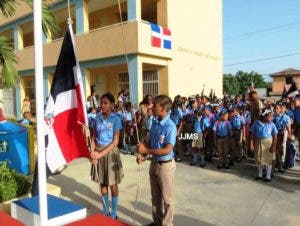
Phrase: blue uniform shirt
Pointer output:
(281, 121)
(150, 122)
(207, 122)
(263, 130)
(91, 117)
(162, 133)
(128, 116)
(198, 127)
(237, 122)
(176, 116)
(296, 112)
(222, 128)
(106, 128)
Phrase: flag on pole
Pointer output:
(293, 90)
(160, 37)
(65, 107)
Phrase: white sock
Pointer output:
(260, 171)
(269, 170)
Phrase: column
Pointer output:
(18, 101)
(45, 83)
(82, 16)
(87, 82)
(18, 37)
(134, 10)
(135, 67)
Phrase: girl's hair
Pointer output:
(109, 96)
(146, 100)
(265, 112)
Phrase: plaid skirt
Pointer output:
(109, 168)
(263, 156)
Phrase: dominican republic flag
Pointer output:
(65, 108)
(161, 37)
(293, 90)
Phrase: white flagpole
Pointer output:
(39, 96)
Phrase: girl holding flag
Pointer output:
(105, 156)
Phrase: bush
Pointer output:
(12, 184)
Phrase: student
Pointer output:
(290, 157)
(247, 118)
(263, 141)
(130, 124)
(198, 143)
(177, 117)
(283, 124)
(26, 120)
(208, 121)
(91, 116)
(105, 155)
(222, 131)
(150, 118)
(238, 132)
(296, 117)
(120, 111)
(162, 168)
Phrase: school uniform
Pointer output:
(296, 117)
(237, 123)
(281, 122)
(109, 167)
(208, 122)
(222, 130)
(263, 138)
(130, 132)
(176, 116)
(198, 142)
(162, 170)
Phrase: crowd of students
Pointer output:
(229, 129)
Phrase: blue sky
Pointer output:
(259, 29)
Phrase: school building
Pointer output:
(191, 62)
(283, 79)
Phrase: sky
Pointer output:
(254, 30)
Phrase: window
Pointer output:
(150, 83)
(123, 81)
(288, 80)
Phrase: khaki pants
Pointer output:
(222, 147)
(162, 192)
(236, 146)
(281, 148)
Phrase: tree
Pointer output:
(239, 83)
(8, 59)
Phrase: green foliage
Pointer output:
(8, 59)
(12, 184)
(240, 82)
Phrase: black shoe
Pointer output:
(202, 165)
(226, 166)
(151, 224)
(193, 163)
(132, 153)
(267, 180)
(178, 159)
(231, 163)
(220, 166)
(258, 178)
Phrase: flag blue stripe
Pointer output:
(155, 28)
(167, 44)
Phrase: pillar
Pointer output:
(134, 10)
(82, 16)
(135, 67)
(162, 13)
(18, 37)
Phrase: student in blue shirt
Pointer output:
(208, 121)
(105, 155)
(177, 117)
(296, 114)
(198, 143)
(162, 168)
(238, 132)
(26, 120)
(283, 124)
(120, 111)
(130, 125)
(222, 130)
(263, 139)
(91, 116)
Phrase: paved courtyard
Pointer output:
(204, 197)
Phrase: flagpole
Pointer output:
(39, 96)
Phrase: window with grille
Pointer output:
(123, 81)
(150, 82)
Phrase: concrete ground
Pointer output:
(204, 196)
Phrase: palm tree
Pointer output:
(8, 59)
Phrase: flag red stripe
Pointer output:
(156, 41)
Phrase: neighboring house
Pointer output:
(284, 79)
(194, 60)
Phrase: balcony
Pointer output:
(100, 43)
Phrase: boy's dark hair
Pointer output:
(109, 96)
(164, 101)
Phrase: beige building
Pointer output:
(193, 62)
(284, 79)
